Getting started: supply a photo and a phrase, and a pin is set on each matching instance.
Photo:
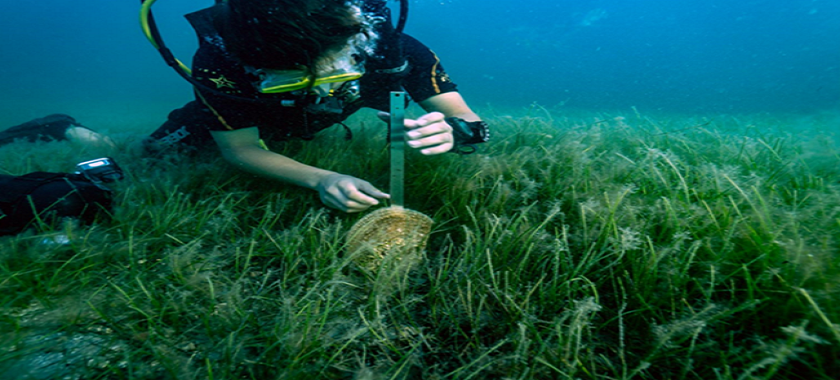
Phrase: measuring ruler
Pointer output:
(397, 148)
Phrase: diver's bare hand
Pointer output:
(348, 194)
(430, 133)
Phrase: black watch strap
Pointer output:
(467, 134)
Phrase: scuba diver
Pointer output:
(44, 198)
(281, 69)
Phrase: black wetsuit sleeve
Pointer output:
(426, 77)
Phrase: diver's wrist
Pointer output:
(467, 133)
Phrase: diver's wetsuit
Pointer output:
(418, 71)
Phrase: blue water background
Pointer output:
(688, 56)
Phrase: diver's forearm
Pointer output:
(275, 166)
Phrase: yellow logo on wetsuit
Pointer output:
(221, 81)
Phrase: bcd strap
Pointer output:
(48, 197)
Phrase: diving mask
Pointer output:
(342, 66)
(280, 81)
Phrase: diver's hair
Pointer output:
(286, 33)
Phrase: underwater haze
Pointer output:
(660, 199)
(684, 56)
(89, 59)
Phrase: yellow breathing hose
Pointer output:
(145, 11)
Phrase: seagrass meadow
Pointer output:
(575, 245)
